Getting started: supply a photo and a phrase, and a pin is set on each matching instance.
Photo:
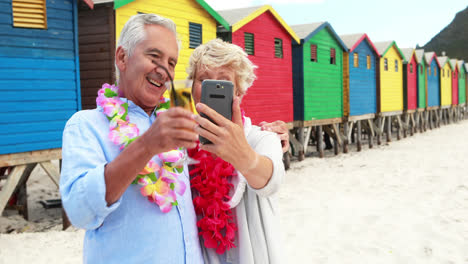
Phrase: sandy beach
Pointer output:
(406, 202)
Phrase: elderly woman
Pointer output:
(236, 180)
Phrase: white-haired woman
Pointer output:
(235, 183)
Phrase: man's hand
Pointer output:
(172, 129)
(279, 127)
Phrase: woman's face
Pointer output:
(203, 73)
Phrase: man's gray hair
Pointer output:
(134, 32)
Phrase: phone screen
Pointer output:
(217, 94)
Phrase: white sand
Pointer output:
(406, 202)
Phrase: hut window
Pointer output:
(435, 71)
(429, 70)
(29, 13)
(385, 64)
(195, 35)
(420, 69)
(369, 65)
(396, 65)
(411, 68)
(332, 56)
(313, 53)
(278, 48)
(356, 60)
(249, 43)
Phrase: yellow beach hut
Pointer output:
(445, 82)
(196, 22)
(389, 88)
(99, 30)
(390, 77)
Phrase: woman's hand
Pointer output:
(227, 137)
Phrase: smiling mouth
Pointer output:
(153, 82)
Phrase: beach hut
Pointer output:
(421, 114)
(39, 87)
(461, 89)
(445, 88)
(421, 69)
(267, 39)
(462, 83)
(455, 74)
(410, 79)
(433, 88)
(410, 89)
(318, 80)
(389, 86)
(100, 29)
(359, 85)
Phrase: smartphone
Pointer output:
(217, 94)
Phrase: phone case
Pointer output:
(217, 94)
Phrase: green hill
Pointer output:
(453, 39)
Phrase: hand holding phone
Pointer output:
(217, 94)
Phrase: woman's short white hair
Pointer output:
(217, 53)
(134, 32)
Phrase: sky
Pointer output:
(408, 22)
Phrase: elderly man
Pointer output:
(96, 182)
(124, 226)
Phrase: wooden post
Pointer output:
(379, 133)
(405, 125)
(300, 137)
(371, 133)
(389, 129)
(346, 140)
(14, 183)
(320, 141)
(358, 136)
(399, 126)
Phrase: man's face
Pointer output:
(142, 80)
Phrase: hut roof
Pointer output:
(444, 60)
(307, 31)
(454, 63)
(384, 46)
(353, 40)
(237, 18)
(408, 53)
(419, 55)
(202, 3)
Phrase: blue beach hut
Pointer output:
(39, 72)
(359, 75)
(433, 79)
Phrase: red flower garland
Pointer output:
(210, 184)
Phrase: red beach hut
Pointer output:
(410, 79)
(267, 39)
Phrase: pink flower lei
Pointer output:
(160, 184)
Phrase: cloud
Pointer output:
(222, 4)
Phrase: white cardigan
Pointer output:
(258, 238)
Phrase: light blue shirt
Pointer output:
(132, 230)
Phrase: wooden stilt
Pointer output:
(346, 140)
(320, 141)
(358, 137)
(389, 129)
(399, 127)
(371, 133)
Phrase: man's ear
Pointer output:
(121, 58)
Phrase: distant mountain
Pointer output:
(453, 39)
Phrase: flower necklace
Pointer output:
(210, 179)
(160, 184)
